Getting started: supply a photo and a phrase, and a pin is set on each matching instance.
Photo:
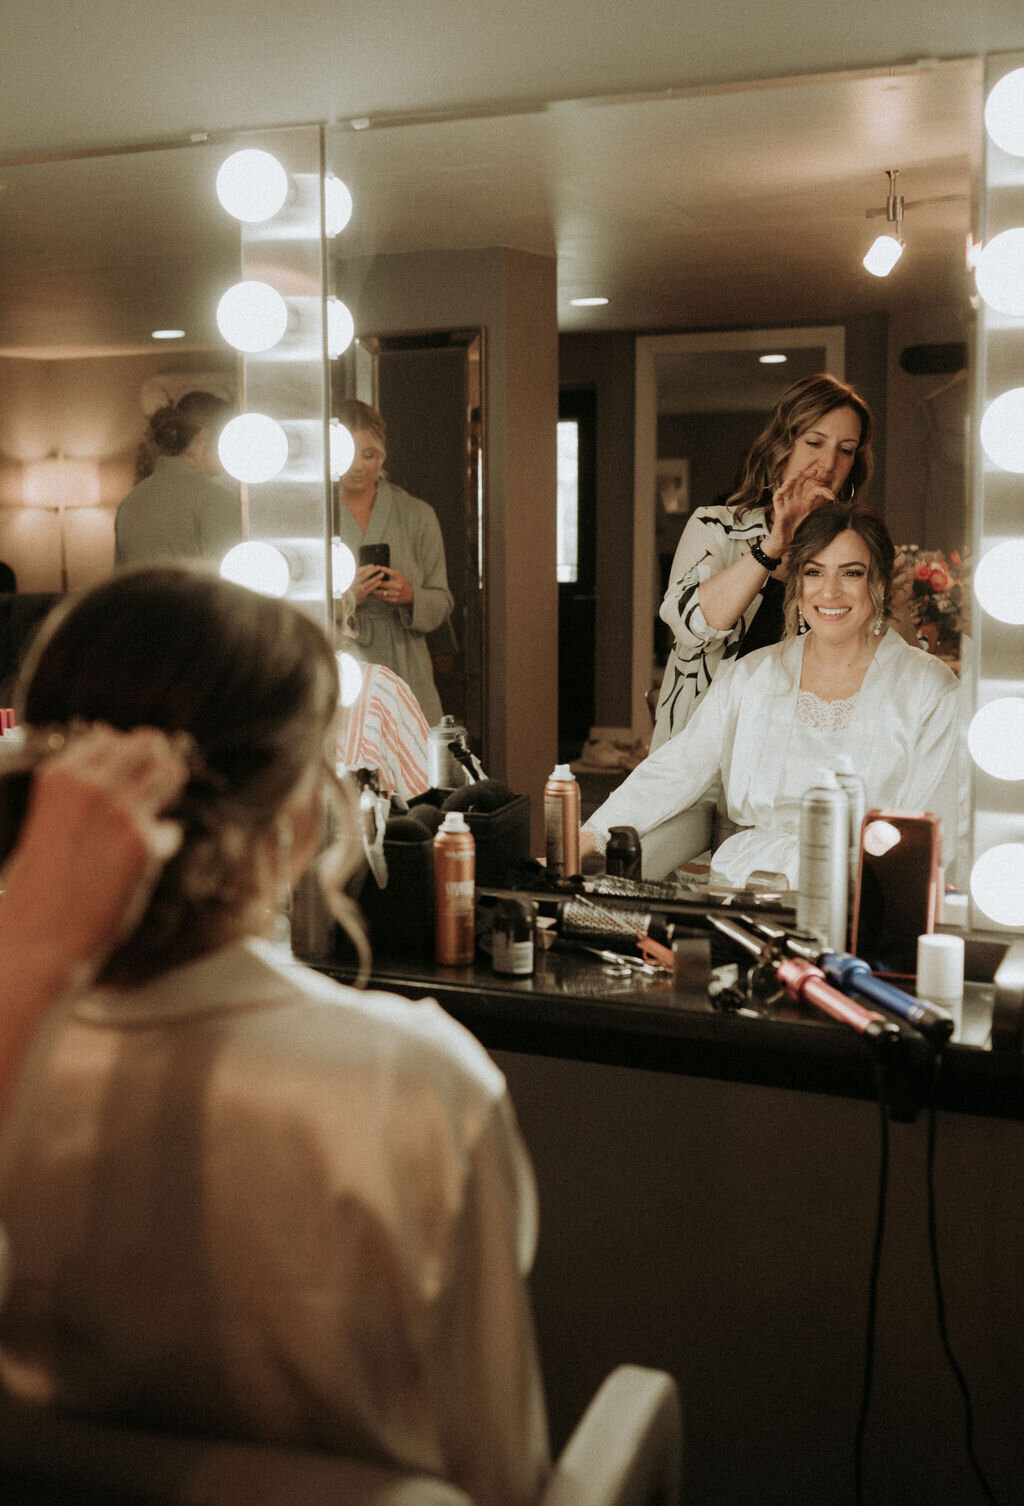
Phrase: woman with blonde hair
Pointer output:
(247, 1201)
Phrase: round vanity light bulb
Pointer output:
(997, 582)
(253, 447)
(996, 738)
(252, 316)
(337, 205)
(1004, 113)
(883, 255)
(1000, 273)
(259, 566)
(343, 567)
(1002, 430)
(341, 328)
(997, 883)
(350, 679)
(343, 449)
(252, 185)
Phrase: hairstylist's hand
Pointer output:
(792, 500)
(397, 589)
(902, 584)
(93, 843)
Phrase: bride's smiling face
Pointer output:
(834, 594)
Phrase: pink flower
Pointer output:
(940, 577)
(923, 572)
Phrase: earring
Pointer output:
(801, 624)
(879, 623)
(853, 493)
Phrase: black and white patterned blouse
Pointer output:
(713, 538)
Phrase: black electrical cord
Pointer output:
(940, 1300)
(873, 1280)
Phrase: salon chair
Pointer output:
(681, 838)
(625, 1451)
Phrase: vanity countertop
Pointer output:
(575, 1006)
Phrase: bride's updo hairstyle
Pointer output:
(817, 531)
(798, 409)
(250, 680)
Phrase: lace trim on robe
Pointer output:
(824, 716)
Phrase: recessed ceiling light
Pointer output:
(168, 334)
(587, 303)
(773, 360)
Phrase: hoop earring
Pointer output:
(853, 493)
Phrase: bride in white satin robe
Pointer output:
(770, 724)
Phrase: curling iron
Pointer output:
(802, 979)
(854, 976)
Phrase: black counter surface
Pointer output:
(575, 1006)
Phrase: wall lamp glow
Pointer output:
(343, 567)
(340, 328)
(337, 205)
(997, 582)
(253, 447)
(588, 303)
(999, 273)
(1004, 113)
(343, 449)
(252, 316)
(168, 334)
(774, 359)
(1002, 430)
(350, 679)
(259, 566)
(252, 185)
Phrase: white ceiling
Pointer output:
(720, 207)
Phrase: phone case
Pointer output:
(897, 894)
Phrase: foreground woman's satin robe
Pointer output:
(902, 737)
(252, 1203)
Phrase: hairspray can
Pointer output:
(853, 786)
(454, 891)
(562, 822)
(824, 863)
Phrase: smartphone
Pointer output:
(375, 554)
(897, 894)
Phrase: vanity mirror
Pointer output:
(734, 208)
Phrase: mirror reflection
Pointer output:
(671, 207)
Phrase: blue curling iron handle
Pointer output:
(853, 975)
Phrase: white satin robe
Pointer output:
(903, 738)
(253, 1203)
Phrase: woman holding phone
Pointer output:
(400, 593)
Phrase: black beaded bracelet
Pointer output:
(764, 560)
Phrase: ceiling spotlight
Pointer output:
(886, 250)
(587, 303)
(775, 359)
(168, 334)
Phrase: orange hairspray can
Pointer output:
(562, 822)
(454, 891)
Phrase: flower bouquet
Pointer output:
(939, 599)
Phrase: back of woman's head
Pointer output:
(173, 427)
(797, 410)
(250, 680)
(821, 528)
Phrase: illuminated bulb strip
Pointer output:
(997, 883)
(997, 582)
(1002, 430)
(337, 205)
(252, 316)
(343, 567)
(1004, 113)
(259, 566)
(340, 328)
(253, 447)
(996, 738)
(1000, 273)
(350, 679)
(252, 185)
(343, 449)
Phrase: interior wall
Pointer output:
(89, 409)
(511, 295)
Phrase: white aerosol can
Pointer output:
(824, 863)
(853, 786)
